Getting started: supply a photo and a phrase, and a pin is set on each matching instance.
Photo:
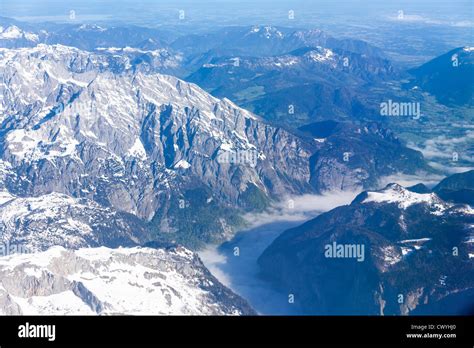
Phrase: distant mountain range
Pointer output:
(318, 82)
(16, 34)
(392, 251)
(261, 40)
(295, 55)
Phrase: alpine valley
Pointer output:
(125, 151)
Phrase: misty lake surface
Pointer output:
(241, 273)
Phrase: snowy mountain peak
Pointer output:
(12, 32)
(321, 55)
(266, 32)
(91, 27)
(394, 193)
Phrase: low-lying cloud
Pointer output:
(300, 208)
(408, 180)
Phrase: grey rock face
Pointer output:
(128, 140)
(355, 156)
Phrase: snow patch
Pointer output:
(394, 193)
(182, 164)
(137, 150)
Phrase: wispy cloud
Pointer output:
(450, 169)
(415, 18)
(407, 180)
(299, 208)
(442, 149)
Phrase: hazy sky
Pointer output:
(225, 10)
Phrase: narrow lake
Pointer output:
(240, 272)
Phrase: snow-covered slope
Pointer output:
(11, 35)
(394, 193)
(37, 223)
(102, 281)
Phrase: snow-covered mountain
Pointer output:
(107, 164)
(144, 59)
(102, 281)
(390, 252)
(54, 260)
(13, 36)
(37, 223)
(143, 143)
(132, 139)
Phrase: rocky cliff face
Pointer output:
(389, 252)
(132, 140)
(355, 156)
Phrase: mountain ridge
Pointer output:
(404, 266)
